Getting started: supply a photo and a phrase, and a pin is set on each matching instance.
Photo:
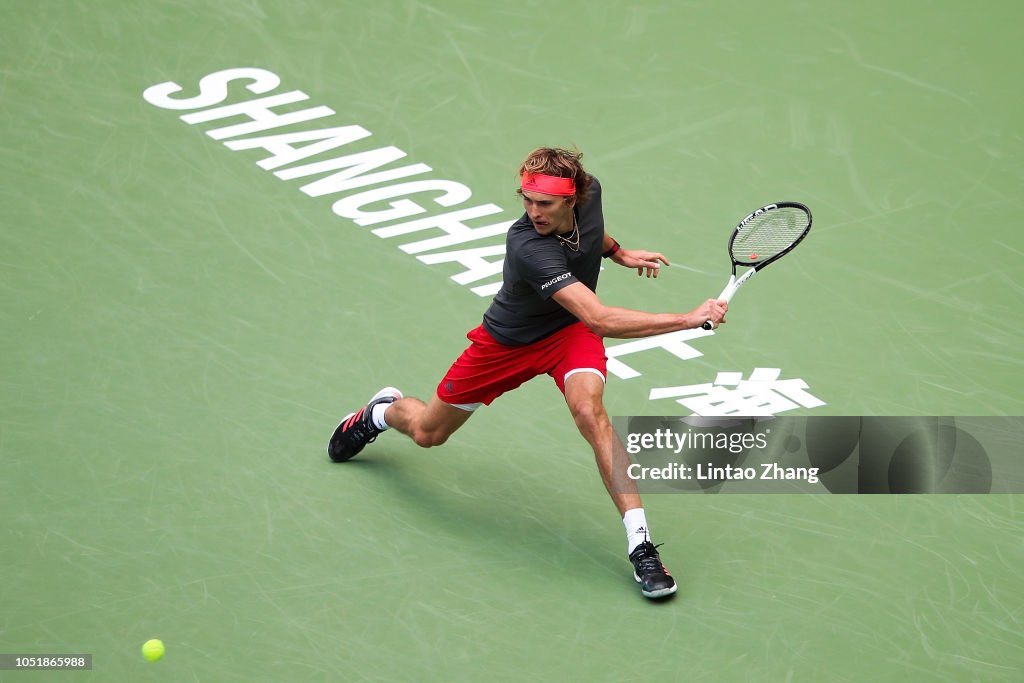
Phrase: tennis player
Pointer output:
(545, 319)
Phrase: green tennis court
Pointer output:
(181, 327)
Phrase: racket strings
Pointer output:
(771, 233)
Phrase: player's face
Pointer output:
(550, 214)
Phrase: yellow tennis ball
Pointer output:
(153, 649)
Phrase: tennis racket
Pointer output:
(761, 238)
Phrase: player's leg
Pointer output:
(579, 369)
(428, 424)
(483, 372)
(584, 394)
(583, 387)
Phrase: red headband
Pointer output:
(549, 184)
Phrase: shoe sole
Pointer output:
(654, 595)
(386, 391)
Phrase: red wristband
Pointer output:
(611, 252)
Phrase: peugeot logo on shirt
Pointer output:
(561, 277)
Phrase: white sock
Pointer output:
(637, 530)
(377, 416)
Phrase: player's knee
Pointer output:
(587, 414)
(429, 439)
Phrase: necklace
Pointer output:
(573, 244)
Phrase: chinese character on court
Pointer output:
(762, 394)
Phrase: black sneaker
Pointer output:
(357, 429)
(650, 573)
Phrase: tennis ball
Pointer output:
(153, 649)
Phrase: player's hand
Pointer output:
(713, 310)
(644, 261)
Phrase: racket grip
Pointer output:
(726, 294)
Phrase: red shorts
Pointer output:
(487, 369)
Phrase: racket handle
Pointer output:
(727, 294)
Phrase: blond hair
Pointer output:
(561, 163)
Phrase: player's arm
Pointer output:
(644, 261)
(625, 323)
